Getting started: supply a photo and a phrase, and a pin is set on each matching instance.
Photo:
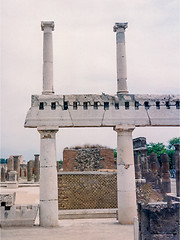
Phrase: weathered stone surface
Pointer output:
(3, 175)
(17, 166)
(36, 168)
(10, 164)
(12, 176)
(30, 167)
(146, 194)
(166, 184)
(102, 117)
(7, 199)
(88, 159)
(158, 219)
(15, 216)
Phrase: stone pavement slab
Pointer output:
(75, 229)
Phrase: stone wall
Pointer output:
(87, 190)
(88, 159)
(159, 221)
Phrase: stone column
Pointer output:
(3, 175)
(36, 168)
(166, 184)
(29, 170)
(127, 208)
(10, 164)
(154, 164)
(47, 27)
(137, 166)
(17, 166)
(144, 166)
(48, 178)
(177, 164)
(119, 28)
(57, 166)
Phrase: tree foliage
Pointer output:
(160, 148)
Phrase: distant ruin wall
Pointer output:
(88, 159)
(87, 190)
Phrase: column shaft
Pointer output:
(127, 208)
(119, 28)
(47, 27)
(48, 179)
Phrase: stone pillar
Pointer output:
(144, 166)
(47, 27)
(137, 166)
(3, 175)
(177, 164)
(57, 166)
(10, 164)
(17, 166)
(29, 170)
(36, 168)
(127, 208)
(154, 164)
(48, 178)
(119, 28)
(166, 184)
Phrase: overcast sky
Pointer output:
(84, 61)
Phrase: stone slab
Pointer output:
(87, 213)
(18, 215)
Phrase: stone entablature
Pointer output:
(103, 110)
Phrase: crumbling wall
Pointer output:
(88, 159)
(159, 221)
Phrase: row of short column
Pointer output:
(33, 167)
(149, 166)
(22, 170)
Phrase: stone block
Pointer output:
(18, 216)
(7, 199)
(159, 221)
(12, 185)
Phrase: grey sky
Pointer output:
(84, 61)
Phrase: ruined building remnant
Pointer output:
(122, 111)
(88, 159)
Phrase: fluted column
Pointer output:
(127, 208)
(48, 178)
(47, 27)
(119, 28)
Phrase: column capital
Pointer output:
(49, 24)
(120, 26)
(47, 132)
(124, 128)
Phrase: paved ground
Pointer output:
(79, 229)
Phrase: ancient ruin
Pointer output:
(122, 111)
(88, 158)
